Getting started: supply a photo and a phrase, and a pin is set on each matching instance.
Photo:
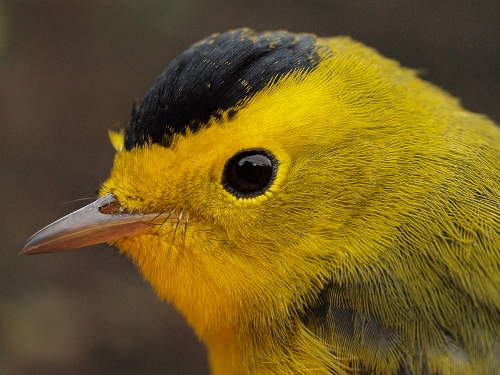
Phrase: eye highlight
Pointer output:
(249, 173)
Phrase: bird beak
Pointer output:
(104, 220)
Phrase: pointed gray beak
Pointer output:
(101, 221)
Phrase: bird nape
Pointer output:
(310, 207)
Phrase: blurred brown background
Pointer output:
(69, 70)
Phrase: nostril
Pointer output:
(111, 208)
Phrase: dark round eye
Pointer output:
(249, 172)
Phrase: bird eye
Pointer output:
(249, 173)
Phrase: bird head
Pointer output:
(258, 166)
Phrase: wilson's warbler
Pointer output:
(310, 207)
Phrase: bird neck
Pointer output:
(223, 352)
(283, 347)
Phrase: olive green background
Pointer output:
(69, 70)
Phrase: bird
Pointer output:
(310, 207)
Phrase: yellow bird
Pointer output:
(310, 207)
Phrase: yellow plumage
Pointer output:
(374, 251)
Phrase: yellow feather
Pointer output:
(117, 139)
(375, 250)
(385, 186)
